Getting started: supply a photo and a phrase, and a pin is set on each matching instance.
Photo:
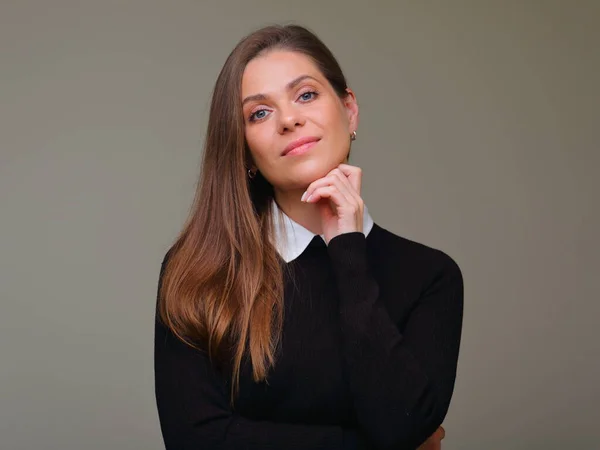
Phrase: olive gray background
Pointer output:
(478, 136)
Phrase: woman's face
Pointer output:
(285, 98)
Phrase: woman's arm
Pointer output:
(402, 383)
(194, 411)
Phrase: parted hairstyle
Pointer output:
(222, 283)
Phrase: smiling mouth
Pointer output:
(301, 148)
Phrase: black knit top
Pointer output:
(367, 359)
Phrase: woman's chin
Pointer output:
(306, 177)
(313, 170)
(302, 175)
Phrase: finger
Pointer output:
(342, 204)
(339, 204)
(325, 181)
(438, 435)
(340, 181)
(326, 210)
(347, 186)
(343, 175)
(435, 440)
(332, 193)
(354, 175)
(329, 180)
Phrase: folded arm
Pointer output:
(402, 383)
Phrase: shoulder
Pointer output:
(415, 262)
(161, 277)
(166, 259)
(168, 255)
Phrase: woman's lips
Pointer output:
(301, 149)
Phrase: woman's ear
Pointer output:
(351, 106)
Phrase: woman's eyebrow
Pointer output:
(291, 85)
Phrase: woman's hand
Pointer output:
(434, 442)
(338, 197)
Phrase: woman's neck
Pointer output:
(306, 214)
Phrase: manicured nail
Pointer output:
(309, 197)
(303, 195)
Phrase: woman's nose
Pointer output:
(289, 119)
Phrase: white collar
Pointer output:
(291, 238)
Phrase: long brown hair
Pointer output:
(222, 289)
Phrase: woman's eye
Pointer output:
(257, 115)
(308, 95)
(262, 113)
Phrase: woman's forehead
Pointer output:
(275, 71)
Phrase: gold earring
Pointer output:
(353, 136)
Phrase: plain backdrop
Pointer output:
(478, 136)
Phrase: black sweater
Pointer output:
(367, 359)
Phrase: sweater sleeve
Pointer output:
(194, 411)
(402, 382)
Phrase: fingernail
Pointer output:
(303, 195)
(309, 197)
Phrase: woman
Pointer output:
(287, 318)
